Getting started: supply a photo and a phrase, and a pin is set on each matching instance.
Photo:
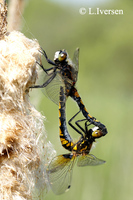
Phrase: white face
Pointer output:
(56, 56)
(94, 128)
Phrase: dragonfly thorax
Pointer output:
(83, 146)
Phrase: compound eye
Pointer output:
(97, 133)
(62, 56)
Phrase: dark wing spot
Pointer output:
(69, 186)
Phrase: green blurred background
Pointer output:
(105, 84)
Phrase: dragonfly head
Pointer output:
(60, 56)
(96, 132)
(93, 134)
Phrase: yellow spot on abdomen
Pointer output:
(59, 113)
(75, 148)
(63, 141)
(60, 132)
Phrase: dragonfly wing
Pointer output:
(60, 173)
(89, 160)
(75, 62)
(52, 89)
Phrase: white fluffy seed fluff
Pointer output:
(24, 149)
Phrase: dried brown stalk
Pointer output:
(24, 149)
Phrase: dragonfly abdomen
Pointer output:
(76, 97)
(65, 138)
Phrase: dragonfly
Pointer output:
(64, 72)
(60, 169)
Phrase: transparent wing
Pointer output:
(60, 173)
(89, 160)
(75, 62)
(52, 89)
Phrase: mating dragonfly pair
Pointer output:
(59, 84)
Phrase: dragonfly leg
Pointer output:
(46, 83)
(77, 123)
(48, 60)
(86, 125)
(45, 70)
(69, 122)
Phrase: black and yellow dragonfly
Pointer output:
(60, 168)
(64, 73)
